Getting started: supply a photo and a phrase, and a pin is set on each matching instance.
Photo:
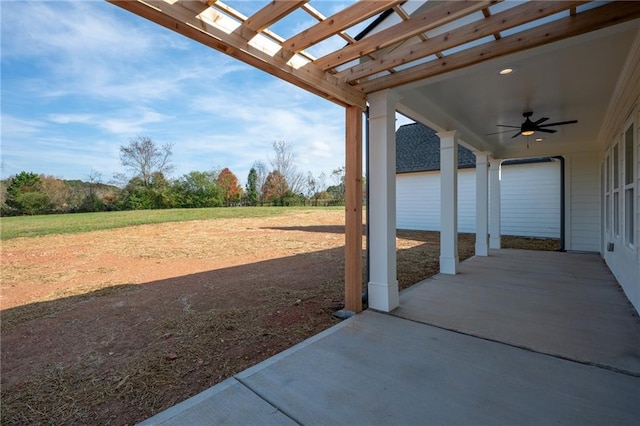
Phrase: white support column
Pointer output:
(448, 202)
(482, 203)
(383, 284)
(494, 209)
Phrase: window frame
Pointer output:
(628, 183)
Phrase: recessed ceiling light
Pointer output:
(538, 139)
(506, 71)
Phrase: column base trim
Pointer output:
(384, 297)
(482, 249)
(495, 243)
(449, 265)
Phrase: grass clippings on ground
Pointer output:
(113, 326)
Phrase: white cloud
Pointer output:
(14, 127)
(110, 54)
(71, 118)
(82, 78)
(278, 111)
(133, 125)
(125, 122)
(69, 29)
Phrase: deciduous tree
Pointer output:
(143, 158)
(275, 188)
(197, 189)
(58, 192)
(261, 177)
(228, 183)
(337, 190)
(283, 162)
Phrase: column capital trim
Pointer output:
(447, 134)
(387, 94)
(495, 163)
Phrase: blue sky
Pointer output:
(82, 78)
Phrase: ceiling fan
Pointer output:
(529, 127)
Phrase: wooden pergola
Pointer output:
(410, 44)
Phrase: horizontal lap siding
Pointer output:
(530, 200)
(534, 187)
(418, 201)
(584, 193)
(467, 200)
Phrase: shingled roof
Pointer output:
(418, 150)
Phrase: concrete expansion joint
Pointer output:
(524, 348)
(265, 399)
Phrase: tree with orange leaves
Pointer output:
(228, 183)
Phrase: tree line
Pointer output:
(147, 185)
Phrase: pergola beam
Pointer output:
(334, 24)
(584, 22)
(438, 15)
(490, 25)
(202, 28)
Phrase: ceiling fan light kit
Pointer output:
(529, 127)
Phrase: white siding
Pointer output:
(584, 203)
(530, 200)
(624, 260)
(418, 201)
(467, 200)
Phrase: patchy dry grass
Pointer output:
(113, 326)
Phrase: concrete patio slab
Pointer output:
(500, 368)
(228, 403)
(376, 369)
(563, 304)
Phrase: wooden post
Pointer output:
(353, 211)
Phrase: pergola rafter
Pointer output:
(508, 19)
(339, 22)
(571, 26)
(441, 14)
(270, 14)
(220, 32)
(389, 58)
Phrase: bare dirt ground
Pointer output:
(111, 327)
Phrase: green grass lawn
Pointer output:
(33, 226)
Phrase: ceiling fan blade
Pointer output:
(515, 136)
(497, 133)
(560, 123)
(546, 130)
(542, 120)
(506, 125)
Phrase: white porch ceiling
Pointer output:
(568, 80)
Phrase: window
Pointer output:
(607, 192)
(629, 187)
(616, 190)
